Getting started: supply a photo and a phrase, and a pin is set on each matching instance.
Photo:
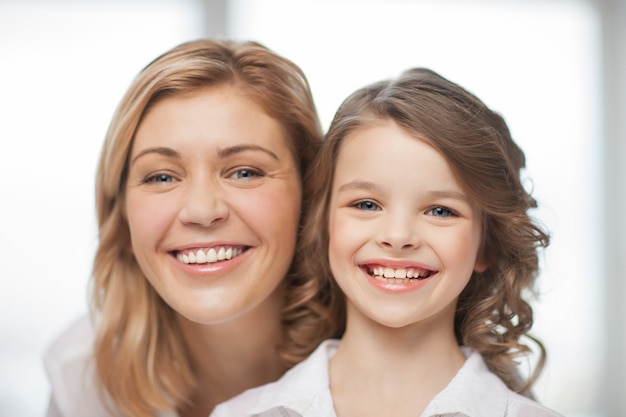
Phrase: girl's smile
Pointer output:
(389, 269)
(396, 276)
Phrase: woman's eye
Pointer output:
(243, 174)
(366, 205)
(441, 212)
(159, 178)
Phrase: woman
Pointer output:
(198, 197)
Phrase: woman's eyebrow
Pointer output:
(224, 153)
(232, 150)
(169, 152)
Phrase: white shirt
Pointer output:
(69, 363)
(304, 391)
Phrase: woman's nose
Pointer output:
(203, 205)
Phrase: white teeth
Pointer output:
(399, 274)
(210, 256)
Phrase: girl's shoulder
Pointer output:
(476, 391)
(520, 405)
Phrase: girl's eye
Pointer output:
(366, 205)
(244, 174)
(441, 212)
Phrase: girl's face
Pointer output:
(404, 238)
(213, 203)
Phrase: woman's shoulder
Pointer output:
(70, 367)
(71, 352)
(74, 341)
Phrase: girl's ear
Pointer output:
(484, 256)
(481, 264)
(483, 259)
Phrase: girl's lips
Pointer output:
(209, 255)
(397, 271)
(397, 280)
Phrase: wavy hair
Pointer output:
(493, 313)
(141, 359)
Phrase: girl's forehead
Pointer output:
(383, 129)
(382, 124)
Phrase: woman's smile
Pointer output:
(210, 255)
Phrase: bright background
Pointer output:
(64, 65)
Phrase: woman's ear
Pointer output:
(121, 207)
(121, 204)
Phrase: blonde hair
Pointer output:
(142, 363)
(492, 313)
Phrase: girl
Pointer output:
(420, 216)
(199, 197)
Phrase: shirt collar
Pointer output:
(474, 391)
(304, 387)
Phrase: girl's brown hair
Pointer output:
(141, 359)
(493, 313)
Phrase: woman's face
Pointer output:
(213, 203)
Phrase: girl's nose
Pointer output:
(399, 232)
(203, 206)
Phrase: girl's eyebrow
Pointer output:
(371, 187)
(360, 185)
(449, 194)
(232, 150)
